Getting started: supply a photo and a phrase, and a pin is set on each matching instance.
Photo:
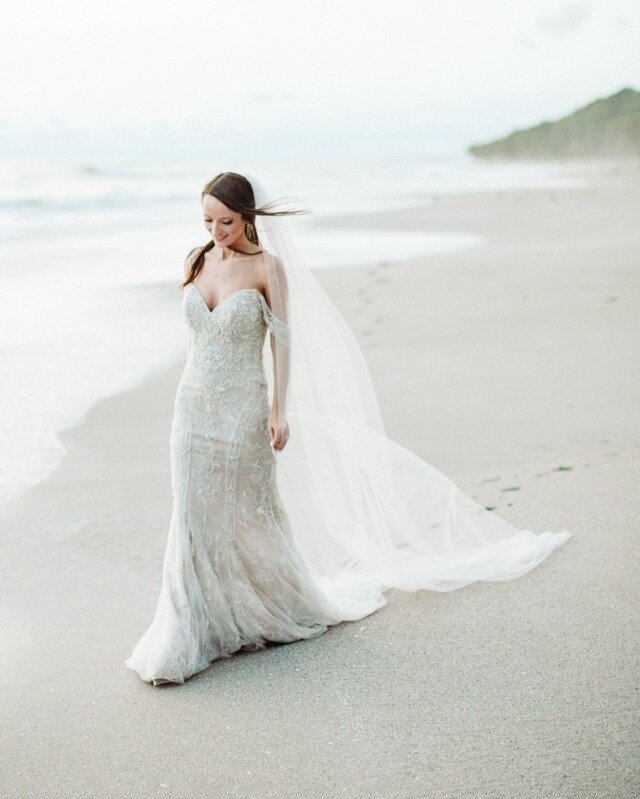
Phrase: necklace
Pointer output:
(239, 252)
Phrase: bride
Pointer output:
(297, 512)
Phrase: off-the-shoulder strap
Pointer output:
(279, 329)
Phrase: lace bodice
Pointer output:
(226, 342)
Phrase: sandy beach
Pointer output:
(513, 369)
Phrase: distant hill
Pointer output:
(608, 127)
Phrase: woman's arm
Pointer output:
(276, 316)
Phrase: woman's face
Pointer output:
(224, 225)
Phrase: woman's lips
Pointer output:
(220, 238)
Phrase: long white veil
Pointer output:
(366, 513)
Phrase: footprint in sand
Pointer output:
(489, 480)
(511, 488)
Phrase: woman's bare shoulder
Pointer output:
(261, 272)
(273, 261)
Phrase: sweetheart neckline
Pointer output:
(211, 311)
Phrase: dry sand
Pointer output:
(513, 369)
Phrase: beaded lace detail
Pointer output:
(232, 576)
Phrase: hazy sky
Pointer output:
(460, 70)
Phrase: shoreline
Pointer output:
(363, 284)
(448, 212)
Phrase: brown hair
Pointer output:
(236, 192)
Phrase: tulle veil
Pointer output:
(366, 513)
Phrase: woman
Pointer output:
(259, 554)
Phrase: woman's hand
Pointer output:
(278, 437)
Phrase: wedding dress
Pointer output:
(268, 546)
(232, 576)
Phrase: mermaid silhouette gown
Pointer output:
(232, 576)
